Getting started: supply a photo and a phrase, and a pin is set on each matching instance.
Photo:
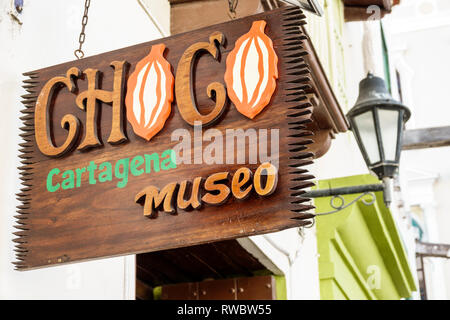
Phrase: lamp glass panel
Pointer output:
(389, 132)
(365, 125)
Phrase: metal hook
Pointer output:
(232, 5)
(79, 54)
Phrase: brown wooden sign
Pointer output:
(115, 161)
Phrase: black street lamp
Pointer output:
(378, 122)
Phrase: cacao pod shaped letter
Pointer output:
(150, 94)
(251, 71)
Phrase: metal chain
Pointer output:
(232, 4)
(78, 52)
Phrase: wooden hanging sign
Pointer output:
(185, 140)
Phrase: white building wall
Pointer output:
(441, 193)
(47, 36)
(419, 39)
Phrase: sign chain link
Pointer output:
(79, 52)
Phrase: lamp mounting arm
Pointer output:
(366, 189)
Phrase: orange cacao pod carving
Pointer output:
(150, 93)
(251, 71)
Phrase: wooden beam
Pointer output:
(385, 4)
(250, 288)
(426, 138)
(183, 1)
(188, 15)
(354, 13)
(438, 250)
(357, 10)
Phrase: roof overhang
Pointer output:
(360, 10)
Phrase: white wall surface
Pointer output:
(159, 12)
(48, 36)
(419, 38)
